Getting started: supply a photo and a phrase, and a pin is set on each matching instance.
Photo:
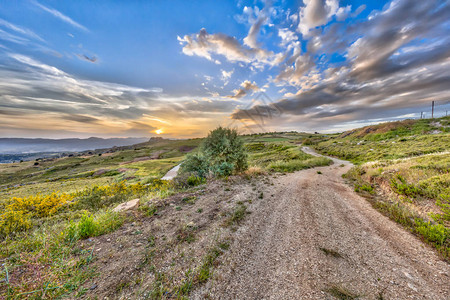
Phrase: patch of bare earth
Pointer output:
(317, 239)
(153, 254)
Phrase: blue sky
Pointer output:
(132, 68)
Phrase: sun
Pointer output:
(159, 131)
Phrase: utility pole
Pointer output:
(432, 109)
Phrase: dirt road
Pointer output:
(317, 239)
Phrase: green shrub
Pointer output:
(221, 154)
(307, 142)
(434, 233)
(399, 184)
(237, 215)
(195, 180)
(197, 164)
(364, 187)
(86, 226)
(90, 225)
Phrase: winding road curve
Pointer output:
(281, 251)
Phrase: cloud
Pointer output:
(226, 75)
(317, 13)
(346, 100)
(36, 86)
(250, 52)
(21, 30)
(25, 37)
(60, 16)
(401, 24)
(296, 70)
(139, 128)
(12, 38)
(204, 45)
(246, 86)
(251, 39)
(396, 63)
(238, 93)
(80, 118)
(287, 36)
(40, 99)
(359, 10)
(343, 12)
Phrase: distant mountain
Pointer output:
(24, 145)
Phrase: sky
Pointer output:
(181, 68)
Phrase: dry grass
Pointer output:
(254, 171)
(341, 292)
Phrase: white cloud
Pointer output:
(206, 45)
(251, 39)
(55, 81)
(287, 36)
(19, 29)
(246, 86)
(6, 36)
(343, 12)
(60, 16)
(317, 13)
(226, 75)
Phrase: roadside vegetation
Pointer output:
(403, 169)
(282, 156)
(52, 211)
(387, 141)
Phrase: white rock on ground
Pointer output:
(127, 205)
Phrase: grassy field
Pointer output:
(49, 206)
(281, 152)
(68, 174)
(388, 140)
(403, 169)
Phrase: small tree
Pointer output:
(221, 153)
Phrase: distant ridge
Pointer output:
(28, 145)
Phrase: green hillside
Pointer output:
(403, 168)
(388, 140)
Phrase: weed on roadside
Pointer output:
(330, 252)
(237, 215)
(341, 292)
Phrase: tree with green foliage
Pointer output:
(221, 153)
